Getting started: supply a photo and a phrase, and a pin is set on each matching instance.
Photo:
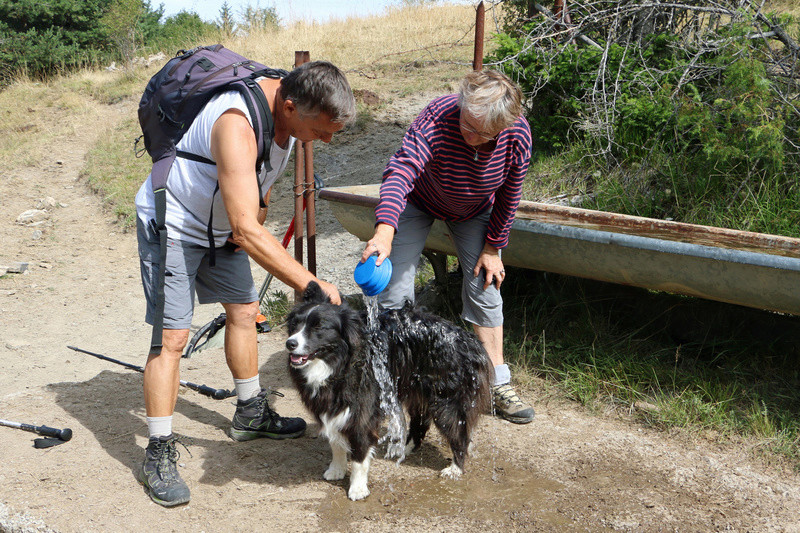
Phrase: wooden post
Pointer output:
(300, 57)
(477, 58)
(311, 222)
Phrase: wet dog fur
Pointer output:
(442, 375)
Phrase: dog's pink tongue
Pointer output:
(298, 359)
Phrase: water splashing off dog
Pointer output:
(396, 435)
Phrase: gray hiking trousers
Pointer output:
(481, 307)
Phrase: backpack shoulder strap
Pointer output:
(156, 342)
(262, 117)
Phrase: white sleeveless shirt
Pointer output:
(191, 184)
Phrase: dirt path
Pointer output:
(567, 471)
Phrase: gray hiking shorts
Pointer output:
(188, 272)
(480, 307)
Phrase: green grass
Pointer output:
(706, 367)
(756, 204)
(276, 307)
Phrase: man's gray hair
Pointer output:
(320, 87)
(490, 97)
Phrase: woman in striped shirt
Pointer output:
(463, 161)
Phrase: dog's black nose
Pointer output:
(291, 344)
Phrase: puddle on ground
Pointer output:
(491, 490)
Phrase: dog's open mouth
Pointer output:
(298, 359)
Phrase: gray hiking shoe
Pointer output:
(509, 406)
(159, 473)
(254, 419)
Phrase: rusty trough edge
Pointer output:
(348, 198)
(643, 227)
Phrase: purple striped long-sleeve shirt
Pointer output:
(436, 170)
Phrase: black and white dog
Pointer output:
(441, 372)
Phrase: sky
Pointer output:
(288, 10)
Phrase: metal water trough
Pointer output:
(745, 268)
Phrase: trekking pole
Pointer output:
(287, 238)
(205, 390)
(61, 434)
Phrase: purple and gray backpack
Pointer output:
(169, 105)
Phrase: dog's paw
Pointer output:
(409, 448)
(451, 472)
(335, 472)
(358, 491)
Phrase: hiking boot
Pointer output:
(509, 406)
(254, 419)
(159, 474)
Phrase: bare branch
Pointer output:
(702, 28)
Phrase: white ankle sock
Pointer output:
(502, 375)
(247, 388)
(159, 426)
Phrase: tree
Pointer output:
(121, 22)
(679, 105)
(184, 30)
(41, 38)
(258, 19)
(226, 21)
(150, 26)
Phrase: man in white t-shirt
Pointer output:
(220, 204)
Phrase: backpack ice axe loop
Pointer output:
(138, 152)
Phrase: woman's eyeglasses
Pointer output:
(486, 136)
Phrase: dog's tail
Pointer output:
(481, 373)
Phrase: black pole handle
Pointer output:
(211, 392)
(46, 431)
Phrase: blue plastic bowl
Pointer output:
(373, 279)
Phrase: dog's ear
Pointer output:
(352, 328)
(315, 294)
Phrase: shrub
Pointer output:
(44, 38)
(690, 123)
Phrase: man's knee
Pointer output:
(174, 340)
(241, 313)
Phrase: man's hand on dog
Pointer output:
(331, 290)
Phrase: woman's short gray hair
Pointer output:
(320, 87)
(490, 97)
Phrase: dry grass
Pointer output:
(405, 50)
(789, 7)
(33, 114)
(401, 50)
